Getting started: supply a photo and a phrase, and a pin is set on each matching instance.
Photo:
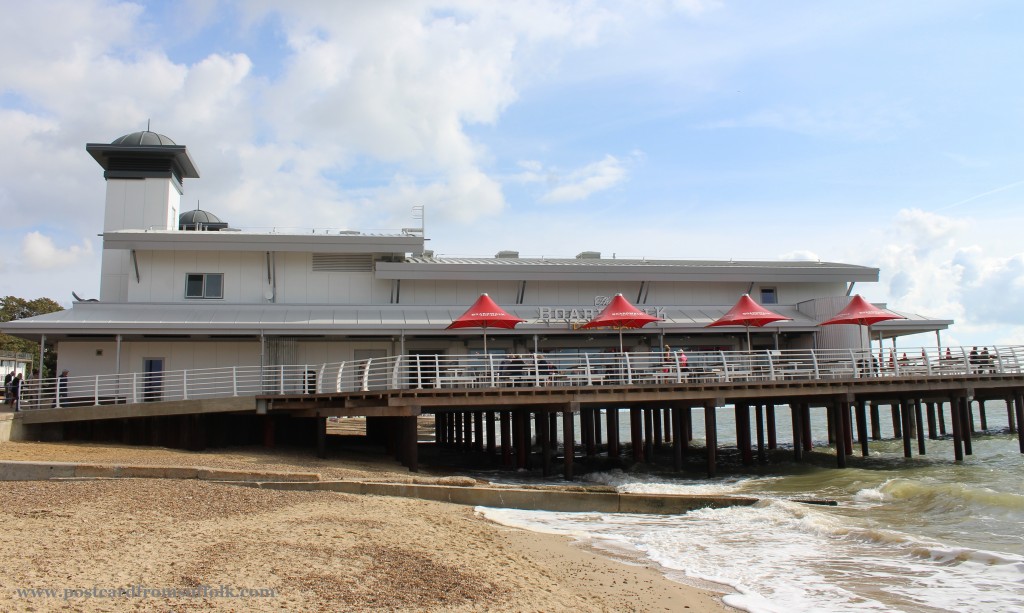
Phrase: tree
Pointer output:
(13, 308)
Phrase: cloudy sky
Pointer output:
(874, 132)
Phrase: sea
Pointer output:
(919, 534)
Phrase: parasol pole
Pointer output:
(621, 350)
(485, 340)
(749, 347)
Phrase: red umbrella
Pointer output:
(620, 314)
(485, 314)
(862, 313)
(747, 313)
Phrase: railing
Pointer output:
(523, 370)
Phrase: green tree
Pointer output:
(12, 308)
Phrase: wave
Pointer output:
(931, 495)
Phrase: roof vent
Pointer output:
(589, 255)
(507, 254)
(427, 253)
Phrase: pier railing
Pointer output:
(445, 371)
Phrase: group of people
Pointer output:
(13, 384)
(17, 388)
(981, 361)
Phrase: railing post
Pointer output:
(395, 371)
(536, 370)
(366, 375)
(586, 363)
(629, 368)
(280, 389)
(234, 381)
(814, 361)
(320, 377)
(999, 360)
(771, 366)
(895, 363)
(967, 360)
(927, 366)
(490, 368)
(853, 360)
(96, 390)
(725, 366)
(135, 387)
(184, 385)
(419, 372)
(337, 385)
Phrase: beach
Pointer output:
(298, 551)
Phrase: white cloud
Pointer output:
(870, 119)
(38, 252)
(580, 184)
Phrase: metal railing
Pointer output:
(444, 371)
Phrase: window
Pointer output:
(204, 285)
(768, 296)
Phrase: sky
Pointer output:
(879, 133)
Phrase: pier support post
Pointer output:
(941, 414)
(1011, 414)
(876, 422)
(658, 429)
(805, 422)
(981, 416)
(545, 443)
(919, 428)
(636, 433)
(506, 439)
(478, 431)
(796, 415)
(553, 428)
(491, 442)
(612, 416)
(847, 427)
(862, 427)
(438, 430)
(666, 418)
(597, 428)
(411, 447)
(677, 441)
(587, 433)
(689, 424)
(904, 412)
(743, 433)
(967, 428)
(522, 435)
(710, 435)
(836, 408)
(648, 435)
(932, 434)
(762, 457)
(1018, 401)
(568, 438)
(770, 418)
(321, 437)
(957, 422)
(897, 420)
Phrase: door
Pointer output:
(152, 379)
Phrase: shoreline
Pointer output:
(542, 571)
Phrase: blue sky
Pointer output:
(877, 133)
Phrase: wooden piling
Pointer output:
(981, 416)
(545, 443)
(568, 441)
(805, 422)
(918, 427)
(847, 427)
(932, 433)
(597, 427)
(862, 427)
(1018, 401)
(478, 431)
(656, 421)
(762, 456)
(743, 433)
(954, 415)
(967, 427)
(587, 433)
(648, 414)
(553, 427)
(710, 436)
(636, 433)
(941, 414)
(796, 415)
(835, 408)
(969, 414)
(491, 442)
(411, 444)
(770, 418)
(612, 417)
(897, 420)
(904, 412)
(321, 437)
(876, 423)
(678, 441)
(506, 439)
(1011, 414)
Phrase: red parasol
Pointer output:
(620, 314)
(747, 313)
(485, 314)
(862, 313)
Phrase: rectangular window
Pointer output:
(204, 285)
(768, 296)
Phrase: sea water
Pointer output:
(920, 534)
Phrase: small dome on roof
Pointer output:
(143, 139)
(199, 219)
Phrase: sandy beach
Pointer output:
(298, 551)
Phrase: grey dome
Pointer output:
(143, 139)
(199, 219)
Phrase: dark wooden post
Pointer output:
(454, 430)
(460, 431)
(942, 417)
(1011, 414)
(743, 433)
(411, 452)
(506, 439)
(568, 438)
(1018, 401)
(649, 435)
(957, 422)
(876, 423)
(636, 433)
(553, 427)
(321, 437)
(678, 441)
(920, 429)
(847, 428)
(762, 457)
(969, 412)
(967, 428)
(689, 424)
(862, 427)
(897, 420)
(710, 435)
(838, 407)
(770, 417)
(478, 430)
(612, 416)
(905, 413)
(805, 422)
(932, 433)
(545, 443)
(597, 427)
(830, 424)
(523, 439)
(438, 429)
(587, 432)
(491, 442)
(669, 421)
(796, 415)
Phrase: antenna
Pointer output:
(147, 125)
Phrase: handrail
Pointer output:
(529, 370)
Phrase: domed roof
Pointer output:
(143, 139)
(199, 219)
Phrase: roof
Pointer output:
(91, 318)
(145, 137)
(585, 269)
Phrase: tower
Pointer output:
(144, 173)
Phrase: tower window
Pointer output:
(204, 285)
(768, 296)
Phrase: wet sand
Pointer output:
(316, 551)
